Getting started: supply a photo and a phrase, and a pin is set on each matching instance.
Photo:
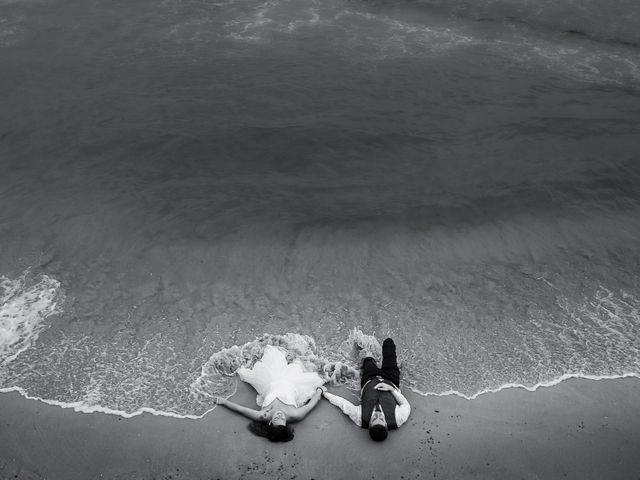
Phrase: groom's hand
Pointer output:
(384, 387)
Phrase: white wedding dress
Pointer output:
(273, 377)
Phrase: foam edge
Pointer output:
(81, 407)
(550, 383)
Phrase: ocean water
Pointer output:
(183, 182)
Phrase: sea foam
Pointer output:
(217, 375)
(338, 367)
(25, 304)
(530, 388)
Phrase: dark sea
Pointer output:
(183, 182)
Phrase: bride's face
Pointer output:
(278, 418)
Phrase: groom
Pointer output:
(382, 406)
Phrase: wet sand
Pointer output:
(580, 429)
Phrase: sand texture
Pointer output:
(580, 429)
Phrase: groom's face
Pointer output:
(377, 416)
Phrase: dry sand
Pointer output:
(581, 429)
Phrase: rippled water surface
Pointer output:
(182, 177)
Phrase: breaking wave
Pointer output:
(25, 304)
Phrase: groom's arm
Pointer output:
(403, 409)
(352, 411)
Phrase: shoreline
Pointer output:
(79, 407)
(578, 428)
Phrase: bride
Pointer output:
(286, 394)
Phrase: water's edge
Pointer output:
(83, 408)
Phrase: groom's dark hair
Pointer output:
(378, 432)
(275, 433)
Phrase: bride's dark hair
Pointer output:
(275, 433)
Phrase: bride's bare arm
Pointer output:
(246, 411)
(302, 412)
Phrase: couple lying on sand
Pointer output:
(287, 394)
